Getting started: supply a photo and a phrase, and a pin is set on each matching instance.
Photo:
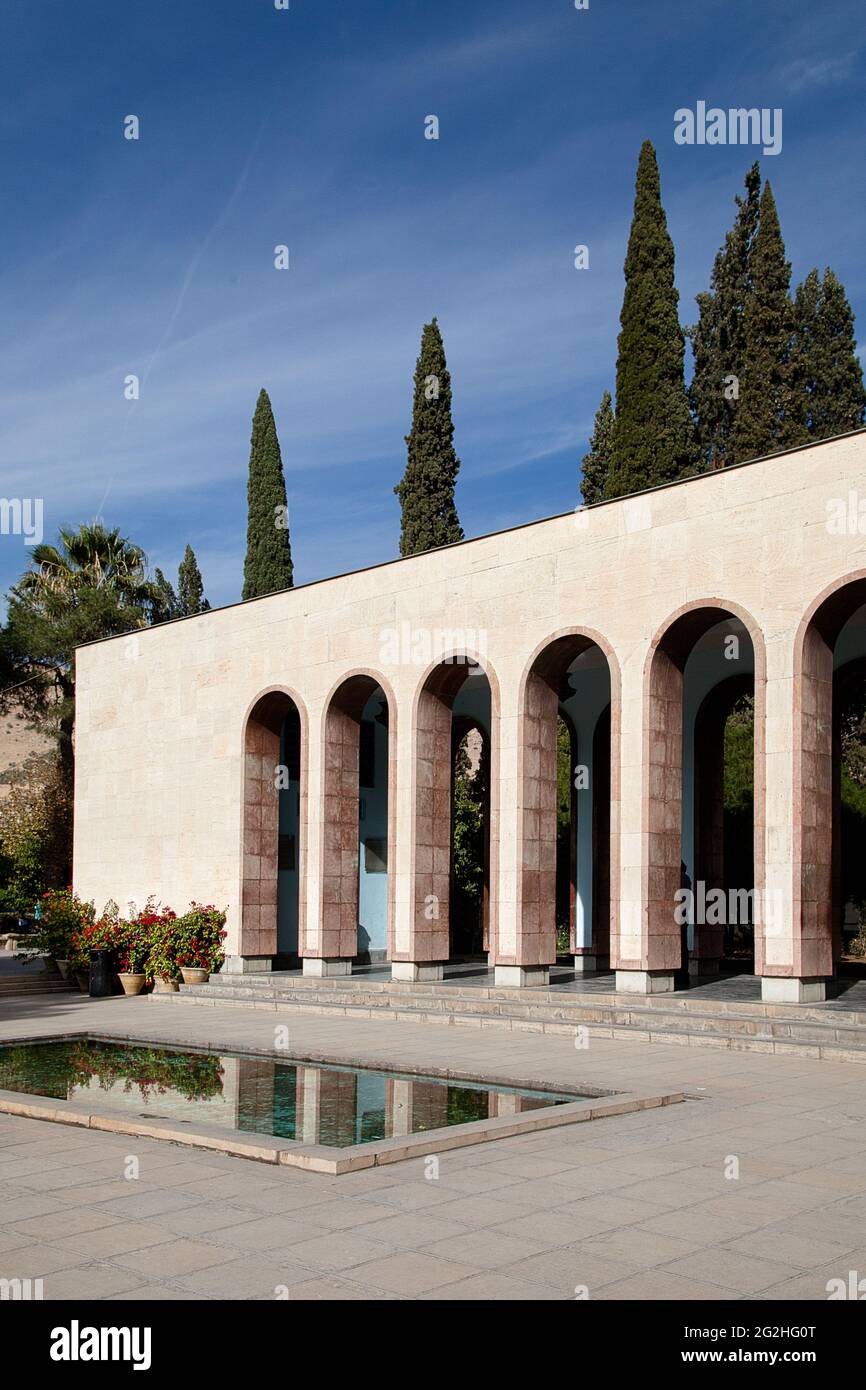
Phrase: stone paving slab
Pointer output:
(634, 1206)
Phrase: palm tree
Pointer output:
(94, 583)
(89, 558)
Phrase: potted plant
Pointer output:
(199, 934)
(61, 914)
(132, 957)
(105, 934)
(161, 967)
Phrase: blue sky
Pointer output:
(306, 127)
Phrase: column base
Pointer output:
(521, 976)
(320, 969)
(247, 965)
(780, 989)
(644, 982)
(703, 966)
(584, 965)
(416, 971)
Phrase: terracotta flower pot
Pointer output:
(83, 982)
(161, 985)
(192, 975)
(132, 981)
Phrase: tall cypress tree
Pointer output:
(268, 563)
(596, 464)
(717, 337)
(826, 373)
(426, 492)
(653, 438)
(190, 586)
(767, 416)
(163, 604)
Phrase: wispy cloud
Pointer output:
(805, 73)
(157, 258)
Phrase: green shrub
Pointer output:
(199, 936)
(63, 915)
(153, 941)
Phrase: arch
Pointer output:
(431, 790)
(463, 725)
(815, 789)
(538, 714)
(709, 847)
(339, 812)
(261, 741)
(662, 780)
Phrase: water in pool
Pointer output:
(305, 1101)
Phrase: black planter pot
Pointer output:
(101, 974)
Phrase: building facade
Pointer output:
(291, 758)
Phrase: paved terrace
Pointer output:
(633, 1207)
(846, 992)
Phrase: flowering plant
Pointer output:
(151, 929)
(153, 940)
(105, 934)
(199, 936)
(133, 948)
(62, 915)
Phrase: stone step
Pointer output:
(690, 1003)
(14, 988)
(483, 1000)
(835, 1035)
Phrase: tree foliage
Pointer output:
(717, 338)
(92, 584)
(426, 490)
(268, 564)
(596, 463)
(827, 378)
(35, 831)
(653, 437)
(767, 416)
(190, 586)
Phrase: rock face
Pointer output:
(17, 742)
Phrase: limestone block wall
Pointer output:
(161, 713)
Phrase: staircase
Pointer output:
(20, 983)
(824, 1030)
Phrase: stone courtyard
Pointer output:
(638, 1206)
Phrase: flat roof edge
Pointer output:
(486, 535)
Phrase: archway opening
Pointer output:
(830, 789)
(453, 816)
(468, 918)
(355, 825)
(271, 888)
(705, 774)
(567, 802)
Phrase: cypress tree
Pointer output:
(826, 373)
(190, 586)
(767, 416)
(717, 337)
(596, 464)
(163, 603)
(426, 492)
(653, 438)
(268, 563)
